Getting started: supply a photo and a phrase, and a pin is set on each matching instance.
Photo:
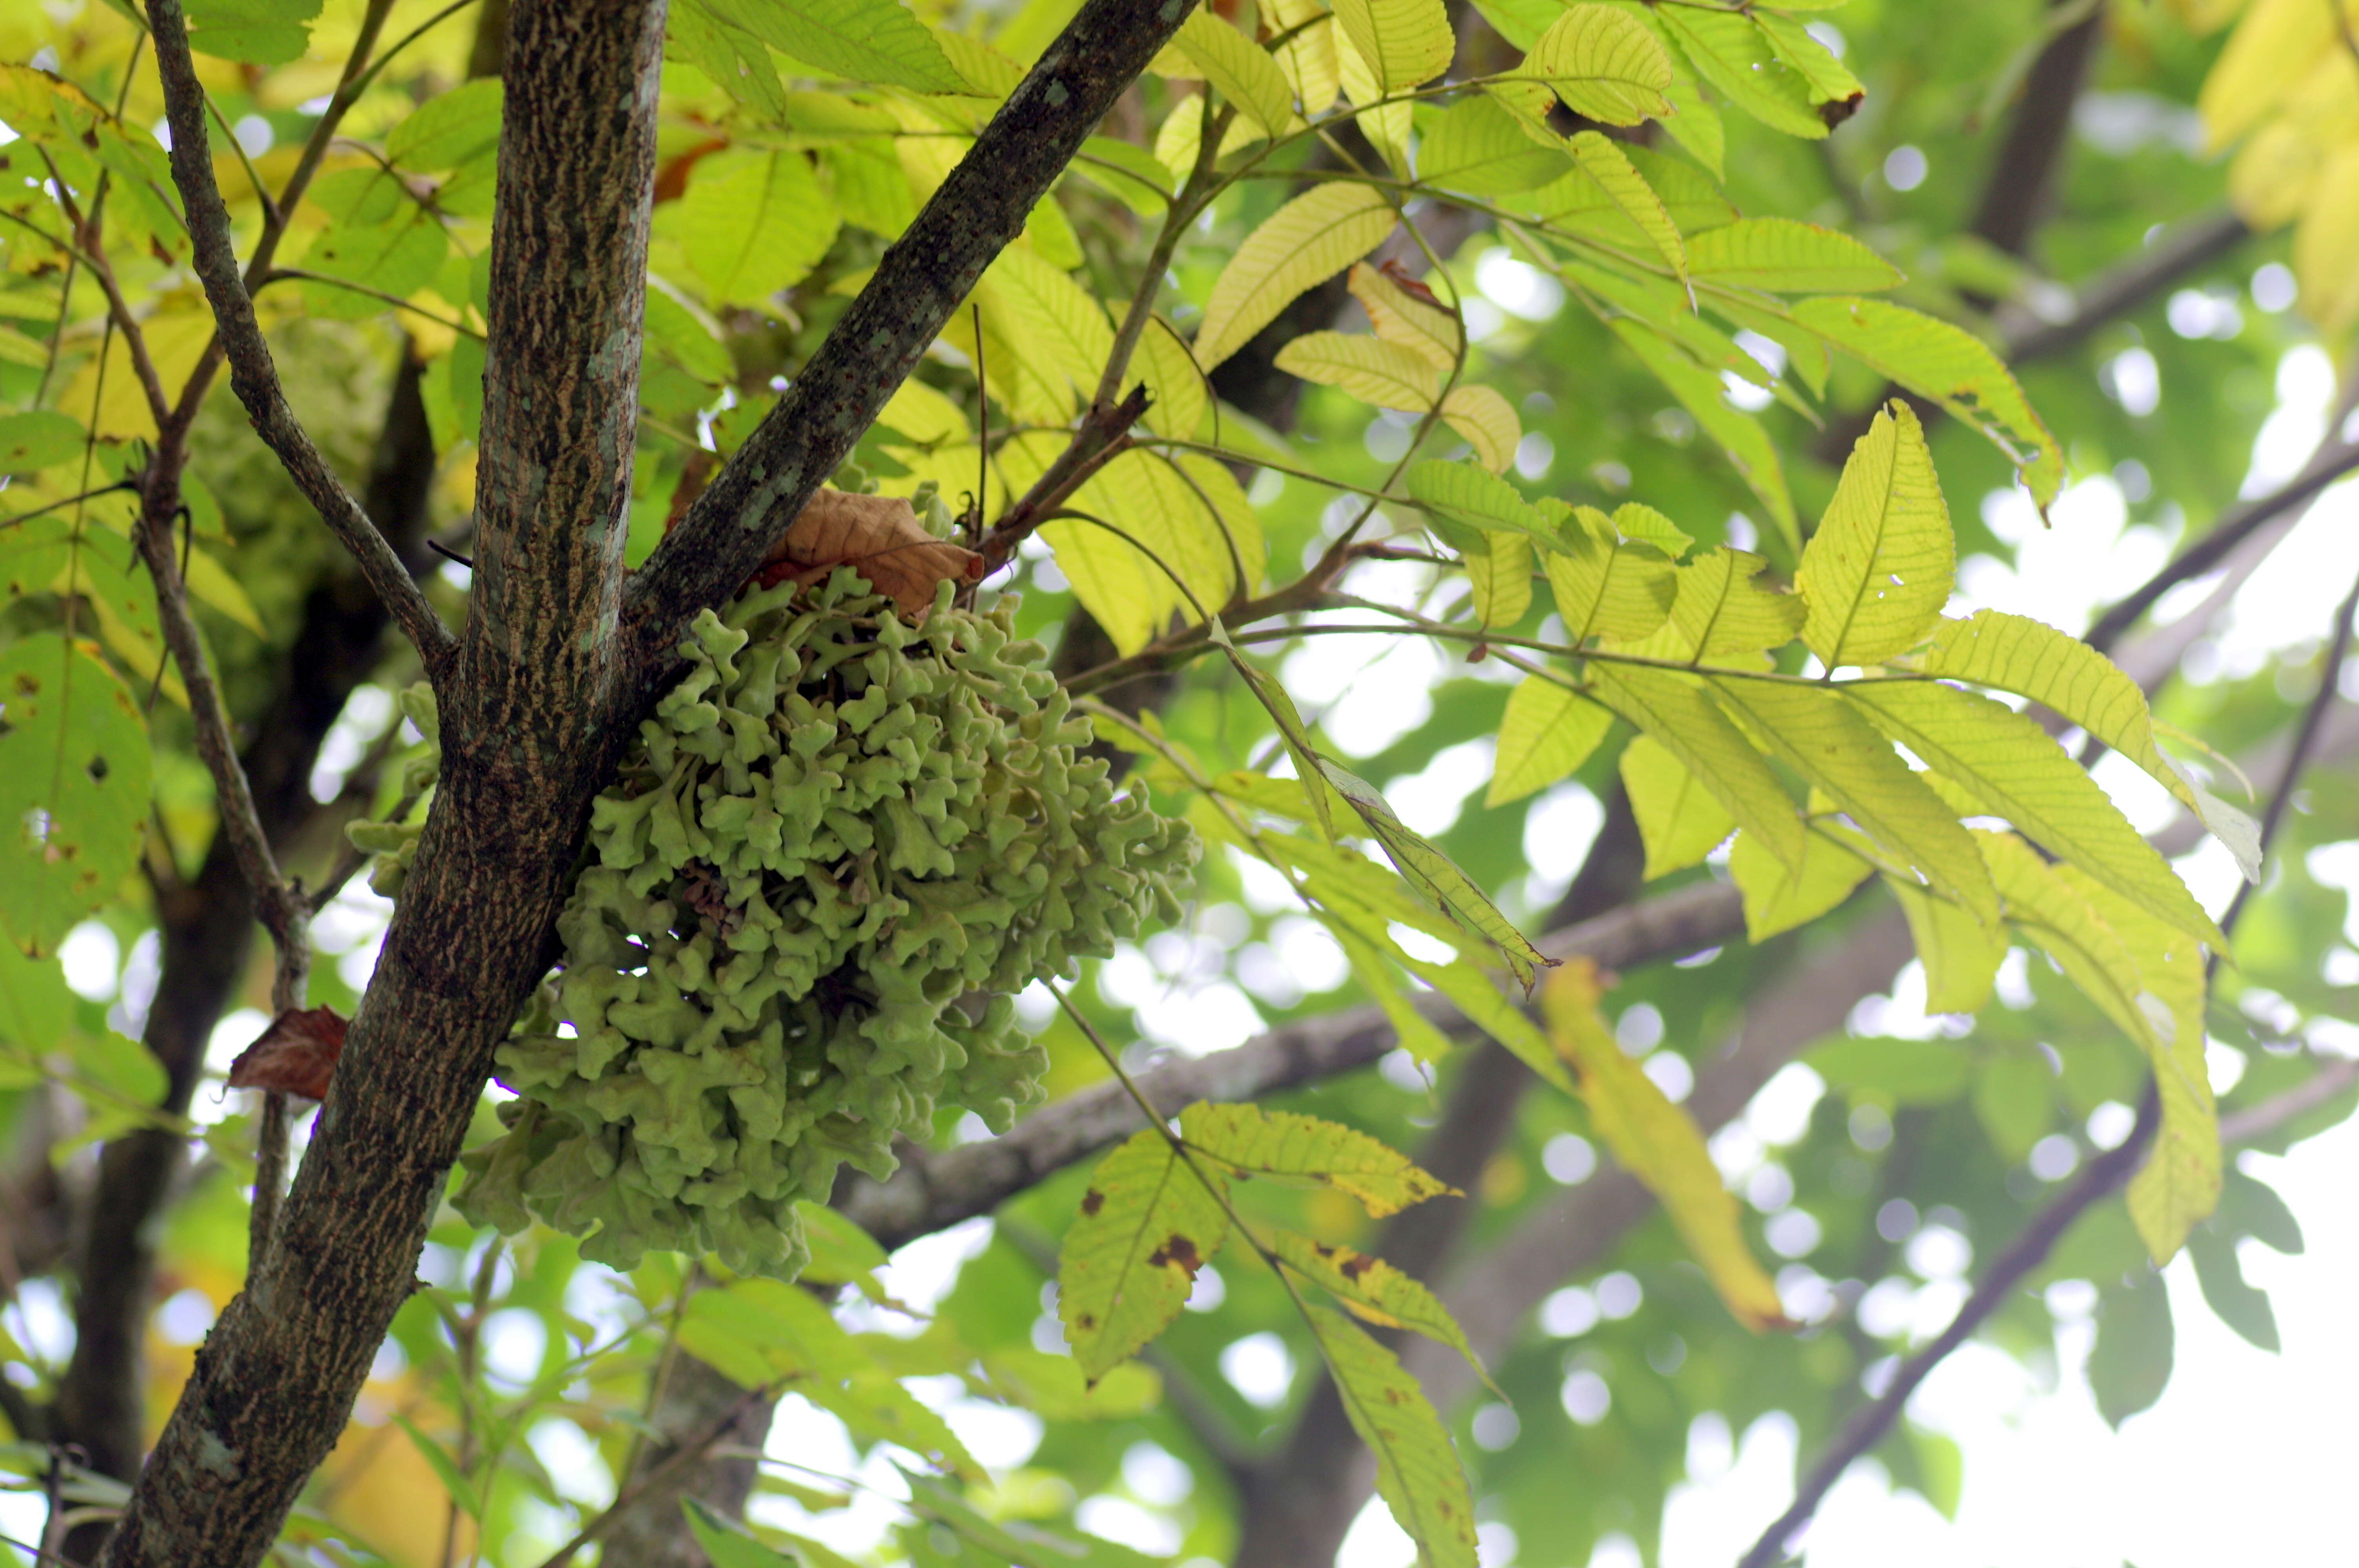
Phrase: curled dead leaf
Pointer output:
(296, 1054)
(878, 537)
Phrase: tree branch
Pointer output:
(253, 375)
(932, 1191)
(2177, 253)
(922, 278)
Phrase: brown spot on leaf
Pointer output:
(1358, 1264)
(1092, 1200)
(1834, 112)
(1392, 267)
(297, 1054)
(1177, 1248)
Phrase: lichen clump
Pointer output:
(832, 856)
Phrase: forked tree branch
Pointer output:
(252, 374)
(923, 277)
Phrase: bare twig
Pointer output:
(1103, 436)
(253, 375)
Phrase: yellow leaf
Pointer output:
(1239, 68)
(1307, 57)
(1604, 588)
(1604, 162)
(1386, 123)
(1680, 821)
(1386, 374)
(1960, 954)
(1721, 617)
(1778, 898)
(1418, 1472)
(2276, 42)
(1061, 331)
(1548, 732)
(1375, 1292)
(1303, 243)
(1881, 566)
(1147, 1223)
(1673, 710)
(2326, 246)
(1499, 568)
(1305, 1151)
(1177, 388)
(1605, 64)
(1405, 43)
(1401, 316)
(1656, 1141)
(1489, 423)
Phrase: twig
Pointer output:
(2259, 1120)
(2097, 1180)
(1103, 436)
(253, 375)
(688, 1453)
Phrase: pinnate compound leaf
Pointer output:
(1960, 953)
(1721, 618)
(1656, 1141)
(1881, 566)
(1375, 1291)
(1239, 68)
(1784, 256)
(1386, 374)
(2064, 675)
(1680, 821)
(2014, 769)
(1778, 899)
(1475, 497)
(74, 768)
(1603, 161)
(1437, 879)
(1299, 246)
(1406, 314)
(862, 40)
(1548, 732)
(1304, 1152)
(1404, 43)
(1605, 64)
(295, 1055)
(1674, 711)
(1418, 1472)
(1489, 423)
(1148, 1224)
(1949, 365)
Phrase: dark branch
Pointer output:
(922, 279)
(2175, 253)
(252, 376)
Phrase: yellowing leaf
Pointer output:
(1499, 569)
(1605, 64)
(1403, 317)
(1375, 1291)
(1479, 146)
(1603, 588)
(1307, 56)
(1778, 899)
(2014, 769)
(1721, 618)
(1487, 421)
(1948, 365)
(1418, 1474)
(1303, 243)
(1680, 821)
(1386, 374)
(2276, 40)
(1881, 566)
(1148, 1224)
(1813, 731)
(74, 768)
(1304, 1152)
(1239, 68)
(1604, 162)
(1736, 433)
(1655, 1142)
(1405, 43)
(1062, 331)
(1673, 710)
(2326, 244)
(1549, 730)
(1787, 257)
(1176, 385)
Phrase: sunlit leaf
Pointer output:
(1881, 566)
(1418, 1472)
(1238, 69)
(1605, 64)
(1375, 1291)
(1778, 898)
(1147, 1223)
(73, 787)
(1679, 820)
(1302, 245)
(1548, 732)
(1305, 1151)
(1405, 43)
(1674, 711)
(1386, 374)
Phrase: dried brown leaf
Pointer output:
(878, 537)
(297, 1054)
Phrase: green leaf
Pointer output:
(1499, 569)
(1299, 246)
(381, 238)
(38, 440)
(2064, 675)
(1721, 617)
(861, 40)
(1405, 43)
(1290, 729)
(2068, 928)
(1239, 68)
(1147, 1224)
(1949, 365)
(1813, 731)
(446, 1469)
(2129, 1365)
(1304, 1152)
(1656, 1141)
(2015, 770)
(1673, 710)
(1642, 525)
(1827, 77)
(1476, 146)
(1604, 64)
(1389, 375)
(1960, 953)
(1778, 898)
(1548, 732)
(1679, 820)
(1437, 879)
(2234, 1300)
(1787, 257)
(449, 129)
(1898, 1072)
(1737, 434)
(1881, 566)
(1473, 497)
(1604, 162)
(73, 788)
(1418, 1472)
(36, 1007)
(260, 32)
(2252, 1207)
(840, 1252)
(2014, 1099)
(1729, 52)
(753, 223)
(1375, 1291)
(1602, 588)
(1052, 1386)
(725, 1543)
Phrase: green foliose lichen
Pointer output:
(833, 854)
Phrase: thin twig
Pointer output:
(686, 1455)
(2097, 1180)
